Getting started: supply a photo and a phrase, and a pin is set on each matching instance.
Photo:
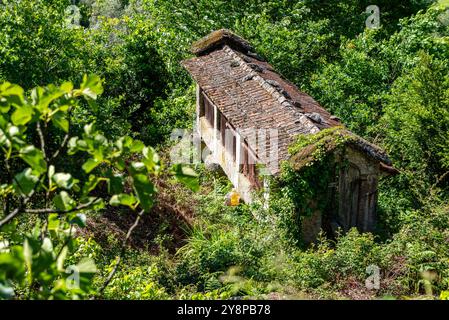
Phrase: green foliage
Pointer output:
(354, 87)
(422, 243)
(325, 263)
(411, 263)
(299, 190)
(37, 261)
(351, 87)
(416, 121)
(295, 45)
(126, 52)
(216, 251)
(41, 48)
(186, 175)
(34, 41)
(71, 152)
(175, 111)
(137, 283)
(228, 253)
(416, 137)
(444, 295)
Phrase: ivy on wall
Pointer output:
(303, 185)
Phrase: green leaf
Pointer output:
(13, 263)
(98, 205)
(53, 222)
(89, 129)
(91, 87)
(8, 89)
(63, 201)
(138, 167)
(92, 104)
(47, 245)
(42, 97)
(10, 136)
(4, 107)
(123, 199)
(61, 258)
(60, 121)
(123, 142)
(22, 115)
(120, 164)
(3, 122)
(10, 94)
(72, 145)
(66, 86)
(186, 176)
(137, 146)
(34, 157)
(145, 191)
(101, 140)
(90, 184)
(86, 265)
(28, 258)
(64, 180)
(4, 139)
(79, 219)
(115, 183)
(150, 159)
(92, 203)
(90, 164)
(4, 244)
(25, 181)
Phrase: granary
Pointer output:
(248, 115)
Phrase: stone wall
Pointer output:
(354, 198)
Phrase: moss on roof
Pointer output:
(219, 38)
(312, 147)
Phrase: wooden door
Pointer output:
(367, 204)
(349, 197)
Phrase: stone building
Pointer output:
(248, 115)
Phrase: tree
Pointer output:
(415, 126)
(110, 172)
(36, 46)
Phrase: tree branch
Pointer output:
(438, 180)
(50, 210)
(15, 212)
(65, 243)
(22, 204)
(64, 141)
(41, 211)
(42, 139)
(63, 144)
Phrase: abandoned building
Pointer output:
(248, 115)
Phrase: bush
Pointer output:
(328, 263)
(423, 246)
(415, 261)
(214, 251)
(136, 283)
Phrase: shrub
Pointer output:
(423, 244)
(328, 263)
(136, 283)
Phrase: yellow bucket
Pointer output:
(235, 198)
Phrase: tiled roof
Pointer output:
(251, 94)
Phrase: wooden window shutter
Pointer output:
(234, 147)
(223, 128)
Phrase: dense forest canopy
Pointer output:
(90, 91)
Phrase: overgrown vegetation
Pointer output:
(77, 146)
